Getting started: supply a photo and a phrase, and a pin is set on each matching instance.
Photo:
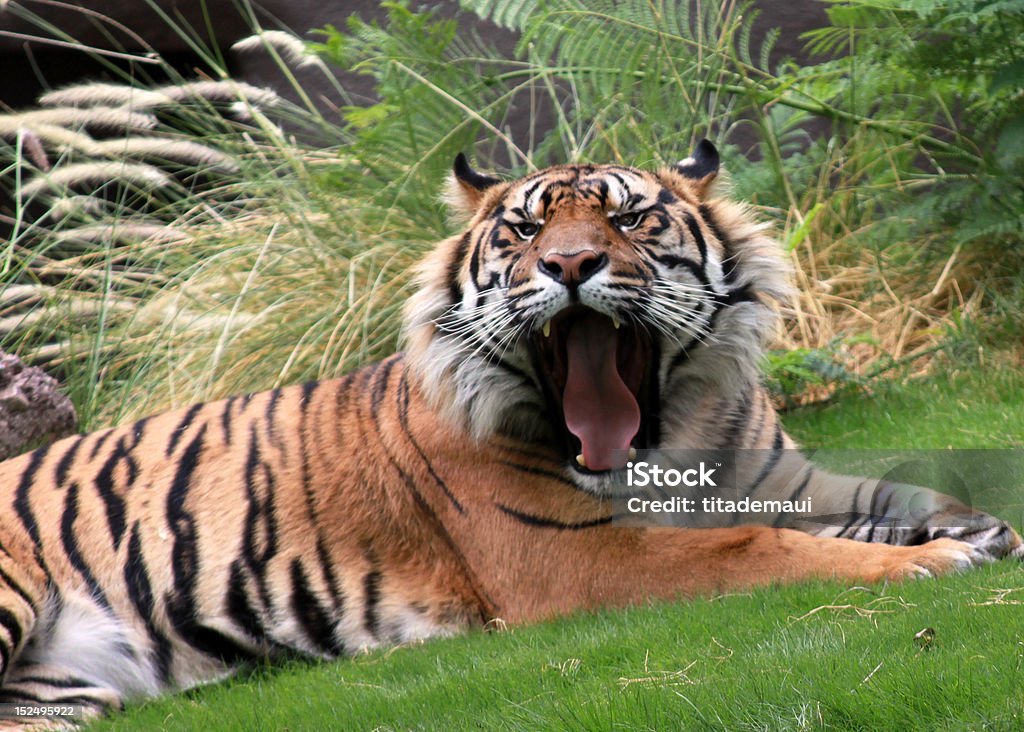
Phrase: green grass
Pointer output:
(812, 656)
(756, 661)
(979, 408)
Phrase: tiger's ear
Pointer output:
(466, 187)
(701, 166)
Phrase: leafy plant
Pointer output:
(268, 259)
(791, 374)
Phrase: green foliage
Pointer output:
(954, 67)
(790, 373)
(924, 156)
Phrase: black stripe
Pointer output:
(886, 488)
(602, 192)
(70, 542)
(208, 640)
(549, 474)
(177, 432)
(70, 682)
(496, 360)
(100, 442)
(259, 543)
(270, 414)
(454, 286)
(380, 385)
(528, 193)
(734, 297)
(180, 603)
(323, 556)
(875, 521)
(104, 484)
(486, 603)
(327, 568)
(22, 504)
(674, 261)
(402, 395)
(259, 539)
(308, 390)
(227, 419)
(499, 242)
(682, 356)
(728, 254)
(549, 523)
(61, 472)
(239, 607)
(138, 430)
(737, 422)
(13, 695)
(698, 237)
(768, 467)
(9, 622)
(371, 593)
(879, 517)
(781, 518)
(311, 615)
(140, 593)
(474, 263)
(17, 588)
(855, 513)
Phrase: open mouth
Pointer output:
(599, 384)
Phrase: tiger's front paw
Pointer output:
(987, 533)
(941, 556)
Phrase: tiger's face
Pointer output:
(592, 307)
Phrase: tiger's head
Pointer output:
(594, 307)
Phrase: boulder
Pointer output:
(33, 410)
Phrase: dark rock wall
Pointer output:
(28, 68)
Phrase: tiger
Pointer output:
(581, 313)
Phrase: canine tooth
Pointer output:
(546, 328)
(581, 461)
(632, 453)
(616, 323)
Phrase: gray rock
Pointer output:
(32, 408)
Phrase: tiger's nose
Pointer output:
(572, 270)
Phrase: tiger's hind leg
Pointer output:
(69, 698)
(22, 597)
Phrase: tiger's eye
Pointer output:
(525, 229)
(628, 221)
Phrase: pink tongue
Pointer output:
(599, 408)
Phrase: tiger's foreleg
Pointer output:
(612, 566)
(882, 511)
(897, 513)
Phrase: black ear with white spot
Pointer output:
(701, 166)
(469, 177)
(466, 187)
